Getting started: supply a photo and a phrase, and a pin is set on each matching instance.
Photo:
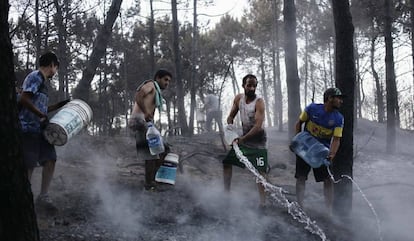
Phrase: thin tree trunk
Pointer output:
(236, 89)
(358, 89)
(392, 101)
(152, 38)
(62, 49)
(378, 86)
(331, 65)
(179, 82)
(99, 49)
(264, 84)
(345, 80)
(412, 54)
(278, 107)
(38, 35)
(291, 62)
(17, 216)
(194, 56)
(305, 98)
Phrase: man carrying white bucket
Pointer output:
(147, 99)
(33, 118)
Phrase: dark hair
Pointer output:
(331, 92)
(161, 73)
(249, 76)
(47, 59)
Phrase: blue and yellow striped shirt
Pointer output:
(321, 124)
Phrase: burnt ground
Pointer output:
(98, 189)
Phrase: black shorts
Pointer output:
(36, 150)
(303, 169)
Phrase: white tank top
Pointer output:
(247, 116)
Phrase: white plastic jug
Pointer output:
(154, 139)
(230, 134)
(167, 172)
(310, 149)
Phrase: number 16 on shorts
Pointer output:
(260, 161)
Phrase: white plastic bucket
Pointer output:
(167, 172)
(67, 122)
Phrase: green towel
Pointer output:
(158, 97)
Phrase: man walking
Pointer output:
(33, 118)
(147, 99)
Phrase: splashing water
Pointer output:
(364, 197)
(277, 193)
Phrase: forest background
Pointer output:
(296, 50)
(215, 52)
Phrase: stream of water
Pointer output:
(277, 194)
(364, 197)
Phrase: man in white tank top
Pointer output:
(253, 141)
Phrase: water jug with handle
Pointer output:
(230, 134)
(154, 139)
(310, 149)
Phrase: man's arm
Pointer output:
(259, 119)
(26, 101)
(234, 109)
(334, 147)
(298, 126)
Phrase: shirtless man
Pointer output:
(147, 99)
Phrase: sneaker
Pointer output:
(150, 187)
(43, 201)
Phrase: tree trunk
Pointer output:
(306, 66)
(182, 119)
(291, 62)
(264, 84)
(152, 38)
(378, 86)
(194, 57)
(38, 35)
(412, 53)
(17, 215)
(278, 107)
(82, 89)
(345, 80)
(359, 87)
(62, 49)
(235, 84)
(391, 88)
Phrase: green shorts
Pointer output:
(257, 157)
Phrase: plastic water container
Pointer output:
(167, 172)
(230, 134)
(68, 122)
(310, 149)
(154, 139)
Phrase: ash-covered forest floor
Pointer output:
(98, 190)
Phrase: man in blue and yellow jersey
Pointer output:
(325, 123)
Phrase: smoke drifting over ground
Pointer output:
(99, 191)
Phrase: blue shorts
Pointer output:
(36, 150)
